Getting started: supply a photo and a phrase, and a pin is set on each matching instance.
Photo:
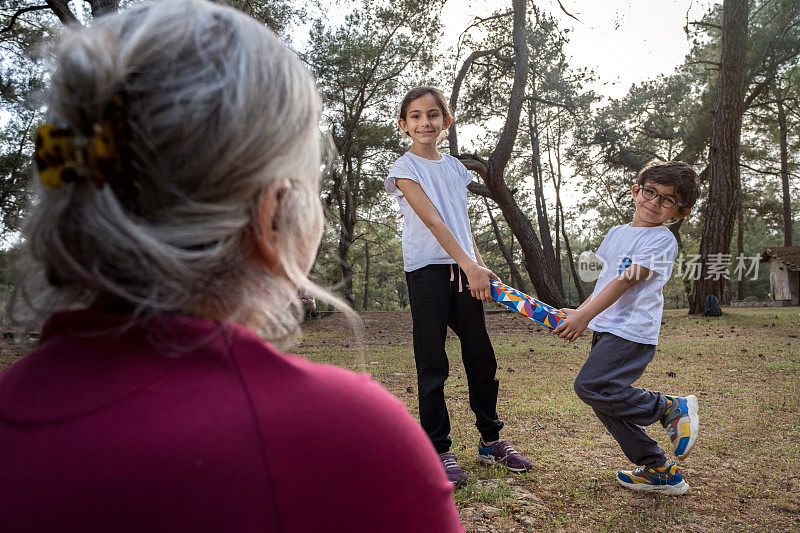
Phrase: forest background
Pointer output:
(554, 161)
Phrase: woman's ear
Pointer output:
(448, 122)
(267, 231)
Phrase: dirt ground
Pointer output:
(744, 470)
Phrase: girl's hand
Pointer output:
(478, 280)
(572, 326)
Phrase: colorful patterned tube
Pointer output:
(525, 305)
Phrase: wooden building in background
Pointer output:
(784, 273)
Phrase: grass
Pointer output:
(744, 470)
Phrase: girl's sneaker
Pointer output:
(666, 479)
(682, 423)
(455, 475)
(502, 453)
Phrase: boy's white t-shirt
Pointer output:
(636, 316)
(445, 182)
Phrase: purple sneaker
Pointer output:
(501, 452)
(455, 475)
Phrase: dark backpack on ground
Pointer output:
(712, 306)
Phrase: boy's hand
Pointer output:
(572, 326)
(478, 280)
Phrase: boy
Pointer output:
(624, 311)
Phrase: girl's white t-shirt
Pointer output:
(636, 316)
(445, 182)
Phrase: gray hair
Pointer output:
(218, 110)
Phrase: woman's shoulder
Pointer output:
(284, 386)
(346, 431)
(330, 388)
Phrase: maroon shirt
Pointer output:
(184, 424)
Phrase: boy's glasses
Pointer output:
(649, 193)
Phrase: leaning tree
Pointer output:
(544, 275)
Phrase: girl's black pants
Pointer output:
(436, 303)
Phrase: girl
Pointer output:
(182, 213)
(439, 252)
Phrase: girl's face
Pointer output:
(424, 120)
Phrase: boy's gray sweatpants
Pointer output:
(605, 383)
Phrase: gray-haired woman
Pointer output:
(181, 212)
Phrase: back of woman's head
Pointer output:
(215, 110)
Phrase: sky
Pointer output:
(622, 41)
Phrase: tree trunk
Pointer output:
(724, 151)
(741, 290)
(62, 11)
(103, 7)
(516, 277)
(557, 180)
(342, 196)
(687, 283)
(347, 269)
(539, 271)
(366, 276)
(402, 293)
(491, 171)
(558, 234)
(787, 212)
(576, 279)
(541, 205)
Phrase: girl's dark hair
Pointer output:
(416, 92)
(676, 173)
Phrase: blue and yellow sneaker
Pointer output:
(665, 479)
(682, 423)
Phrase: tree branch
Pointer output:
(504, 58)
(475, 163)
(757, 91)
(363, 88)
(568, 107)
(480, 189)
(481, 20)
(505, 144)
(478, 21)
(653, 134)
(452, 133)
(758, 170)
(704, 62)
(567, 12)
(20, 12)
(706, 25)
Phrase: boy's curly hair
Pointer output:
(677, 173)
